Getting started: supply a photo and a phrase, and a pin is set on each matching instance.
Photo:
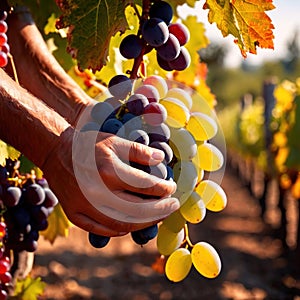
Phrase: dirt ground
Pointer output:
(255, 266)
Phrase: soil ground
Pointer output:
(254, 263)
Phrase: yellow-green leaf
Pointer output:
(246, 20)
(7, 151)
(29, 288)
(59, 225)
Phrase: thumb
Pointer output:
(139, 153)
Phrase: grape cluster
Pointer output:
(4, 47)
(157, 31)
(27, 202)
(162, 115)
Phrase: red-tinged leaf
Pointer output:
(91, 25)
(246, 20)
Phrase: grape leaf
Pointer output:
(246, 20)
(91, 26)
(7, 151)
(58, 225)
(28, 288)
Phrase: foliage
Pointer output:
(6, 151)
(28, 289)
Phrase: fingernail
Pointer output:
(158, 155)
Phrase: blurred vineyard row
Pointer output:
(263, 141)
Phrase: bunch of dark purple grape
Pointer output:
(26, 203)
(168, 39)
(4, 47)
(136, 116)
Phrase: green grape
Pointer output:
(178, 265)
(158, 82)
(181, 95)
(193, 210)
(178, 114)
(196, 162)
(167, 241)
(212, 194)
(183, 144)
(185, 175)
(206, 260)
(201, 126)
(210, 157)
(175, 221)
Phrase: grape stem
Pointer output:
(13, 66)
(139, 59)
(187, 238)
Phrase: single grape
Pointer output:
(210, 157)
(174, 222)
(181, 95)
(3, 39)
(42, 182)
(4, 266)
(38, 213)
(183, 144)
(90, 126)
(159, 170)
(159, 83)
(5, 278)
(131, 46)
(12, 196)
(50, 199)
(182, 61)
(177, 113)
(120, 86)
(139, 136)
(3, 26)
(101, 111)
(136, 104)
(159, 133)
(162, 10)
(143, 236)
(170, 49)
(5, 48)
(113, 126)
(165, 148)
(98, 241)
(181, 32)
(149, 91)
(3, 15)
(3, 58)
(185, 175)
(206, 260)
(178, 265)
(168, 241)
(131, 122)
(155, 32)
(3, 294)
(2, 229)
(34, 194)
(163, 63)
(155, 114)
(30, 245)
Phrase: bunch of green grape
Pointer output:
(194, 156)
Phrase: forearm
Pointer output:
(40, 73)
(27, 123)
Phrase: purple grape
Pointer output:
(3, 175)
(170, 49)
(141, 167)
(120, 86)
(162, 10)
(11, 196)
(101, 111)
(155, 114)
(113, 126)
(165, 148)
(131, 122)
(159, 133)
(42, 182)
(50, 199)
(34, 194)
(98, 241)
(181, 32)
(136, 104)
(149, 91)
(163, 63)
(90, 126)
(21, 217)
(170, 173)
(39, 213)
(155, 32)
(139, 136)
(159, 170)
(143, 236)
(131, 46)
(182, 61)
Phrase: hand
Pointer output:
(97, 193)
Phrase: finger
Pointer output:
(86, 223)
(128, 178)
(139, 153)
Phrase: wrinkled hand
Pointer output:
(99, 193)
